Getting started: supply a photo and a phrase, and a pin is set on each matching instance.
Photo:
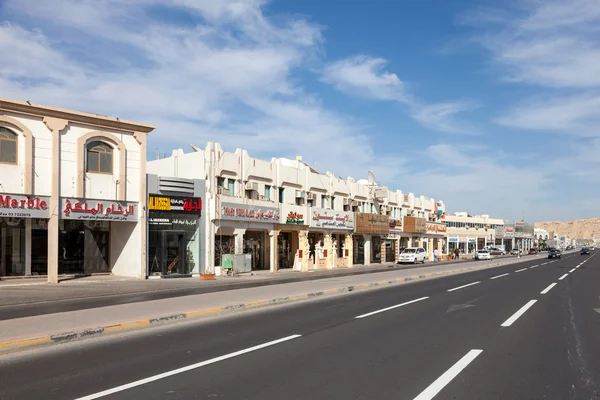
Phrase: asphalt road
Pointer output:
(20, 302)
(468, 336)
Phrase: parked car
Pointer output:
(482, 255)
(592, 248)
(585, 251)
(533, 251)
(514, 252)
(497, 252)
(412, 255)
(554, 253)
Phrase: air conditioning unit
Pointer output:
(223, 191)
(346, 202)
(382, 209)
(355, 203)
(251, 186)
(300, 194)
(311, 196)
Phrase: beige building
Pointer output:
(72, 193)
(469, 233)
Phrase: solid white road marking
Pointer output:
(433, 389)
(499, 276)
(548, 288)
(390, 308)
(572, 270)
(521, 270)
(563, 277)
(185, 369)
(516, 315)
(463, 286)
(534, 266)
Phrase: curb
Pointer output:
(70, 336)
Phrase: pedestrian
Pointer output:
(456, 253)
(435, 255)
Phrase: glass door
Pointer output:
(175, 254)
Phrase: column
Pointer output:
(430, 249)
(238, 239)
(397, 251)
(349, 249)
(328, 250)
(382, 242)
(301, 258)
(439, 248)
(367, 249)
(273, 254)
(55, 125)
(28, 223)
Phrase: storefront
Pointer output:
(395, 242)
(174, 227)
(252, 226)
(416, 227)
(435, 233)
(509, 238)
(85, 230)
(293, 221)
(369, 231)
(452, 245)
(23, 225)
(330, 237)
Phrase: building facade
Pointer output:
(282, 213)
(470, 233)
(72, 193)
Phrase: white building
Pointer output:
(72, 191)
(284, 214)
(470, 233)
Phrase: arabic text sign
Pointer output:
(415, 224)
(293, 215)
(98, 210)
(192, 205)
(372, 223)
(19, 206)
(169, 221)
(434, 228)
(331, 219)
(245, 212)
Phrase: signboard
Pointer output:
(98, 210)
(248, 213)
(499, 231)
(472, 240)
(331, 219)
(372, 223)
(435, 228)
(509, 232)
(293, 215)
(452, 240)
(19, 206)
(191, 205)
(415, 224)
(173, 222)
(395, 225)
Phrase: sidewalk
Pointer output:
(61, 327)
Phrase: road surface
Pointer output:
(523, 331)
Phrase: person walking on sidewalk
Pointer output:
(435, 255)
(456, 253)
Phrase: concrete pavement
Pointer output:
(464, 336)
(41, 330)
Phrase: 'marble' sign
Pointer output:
(19, 206)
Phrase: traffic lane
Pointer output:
(83, 302)
(396, 353)
(552, 352)
(104, 360)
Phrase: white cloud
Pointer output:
(366, 77)
(227, 76)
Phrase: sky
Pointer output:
(491, 106)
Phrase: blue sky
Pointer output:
(493, 107)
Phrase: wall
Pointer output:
(126, 248)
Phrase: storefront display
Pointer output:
(173, 235)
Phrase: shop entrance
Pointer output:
(390, 250)
(286, 250)
(12, 246)
(83, 247)
(375, 249)
(174, 244)
(358, 250)
(253, 245)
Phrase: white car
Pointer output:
(413, 255)
(482, 255)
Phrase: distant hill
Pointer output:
(579, 228)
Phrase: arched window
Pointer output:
(8, 146)
(99, 156)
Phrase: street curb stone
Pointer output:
(127, 326)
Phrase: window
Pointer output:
(8, 146)
(332, 203)
(220, 182)
(323, 201)
(99, 158)
(372, 208)
(231, 184)
(281, 194)
(268, 192)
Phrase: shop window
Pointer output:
(267, 192)
(8, 146)
(99, 158)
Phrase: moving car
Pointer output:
(533, 251)
(497, 252)
(412, 255)
(554, 253)
(585, 251)
(482, 255)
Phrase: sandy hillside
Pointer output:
(579, 228)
